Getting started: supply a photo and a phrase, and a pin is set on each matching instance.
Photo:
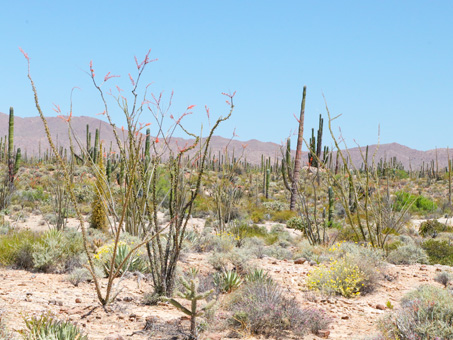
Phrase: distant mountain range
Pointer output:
(29, 135)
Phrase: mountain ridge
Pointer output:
(29, 135)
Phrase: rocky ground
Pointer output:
(27, 293)
(23, 292)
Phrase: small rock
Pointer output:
(324, 333)
(128, 299)
(345, 317)
(274, 262)
(78, 300)
(380, 307)
(313, 263)
(300, 260)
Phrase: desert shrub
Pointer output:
(55, 250)
(274, 206)
(256, 246)
(338, 278)
(79, 275)
(369, 260)
(408, 254)
(202, 207)
(201, 242)
(236, 259)
(439, 252)
(420, 204)
(16, 249)
(48, 327)
(224, 242)
(261, 308)
(443, 278)
(257, 215)
(278, 252)
(282, 216)
(432, 228)
(295, 223)
(425, 313)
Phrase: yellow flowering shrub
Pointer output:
(340, 277)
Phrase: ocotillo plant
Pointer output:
(191, 294)
(291, 172)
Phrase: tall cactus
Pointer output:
(268, 175)
(11, 146)
(314, 154)
(291, 173)
(330, 211)
(96, 147)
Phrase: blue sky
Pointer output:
(387, 63)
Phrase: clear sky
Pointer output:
(387, 63)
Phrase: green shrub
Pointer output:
(15, 249)
(433, 227)
(408, 254)
(48, 327)
(439, 252)
(425, 313)
(419, 204)
(282, 216)
(295, 223)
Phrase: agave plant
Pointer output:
(259, 275)
(227, 281)
(133, 264)
(48, 327)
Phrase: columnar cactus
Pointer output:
(11, 146)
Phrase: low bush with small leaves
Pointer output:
(408, 254)
(425, 313)
(261, 308)
(439, 251)
(443, 278)
(295, 223)
(282, 216)
(432, 228)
